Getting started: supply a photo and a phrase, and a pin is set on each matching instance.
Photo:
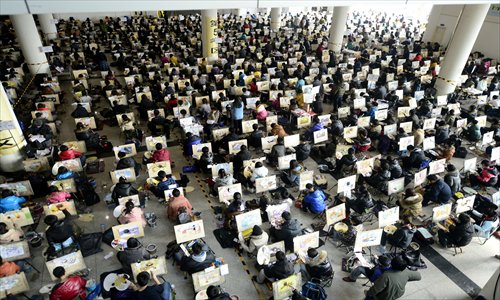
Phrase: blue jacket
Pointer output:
(238, 112)
(163, 186)
(371, 112)
(10, 203)
(316, 127)
(439, 192)
(65, 175)
(195, 140)
(315, 201)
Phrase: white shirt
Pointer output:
(495, 103)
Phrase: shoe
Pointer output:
(254, 278)
(348, 279)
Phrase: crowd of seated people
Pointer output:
(207, 104)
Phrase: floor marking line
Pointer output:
(452, 272)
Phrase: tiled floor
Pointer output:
(477, 262)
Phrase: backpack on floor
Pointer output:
(313, 290)
(461, 152)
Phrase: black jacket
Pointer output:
(61, 230)
(279, 270)
(362, 202)
(80, 112)
(287, 232)
(461, 234)
(123, 190)
(124, 163)
(239, 158)
(221, 296)
(396, 170)
(130, 256)
(302, 151)
(188, 264)
(402, 237)
(416, 158)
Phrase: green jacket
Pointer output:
(391, 285)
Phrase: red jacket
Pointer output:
(69, 154)
(70, 289)
(161, 155)
(486, 175)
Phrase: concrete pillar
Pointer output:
(11, 154)
(275, 18)
(30, 42)
(461, 44)
(209, 33)
(432, 22)
(337, 28)
(48, 26)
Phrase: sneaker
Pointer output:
(348, 279)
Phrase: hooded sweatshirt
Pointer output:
(452, 178)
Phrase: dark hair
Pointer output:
(258, 164)
(53, 189)
(280, 256)
(213, 291)
(197, 249)
(432, 177)
(7, 193)
(59, 272)
(50, 220)
(309, 186)
(62, 169)
(132, 243)
(129, 205)
(158, 146)
(398, 263)
(143, 279)
(311, 252)
(63, 148)
(162, 174)
(3, 228)
(176, 193)
(463, 218)
(121, 154)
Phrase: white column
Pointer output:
(459, 49)
(337, 28)
(11, 156)
(275, 18)
(432, 22)
(209, 25)
(27, 35)
(48, 26)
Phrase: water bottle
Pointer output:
(172, 290)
